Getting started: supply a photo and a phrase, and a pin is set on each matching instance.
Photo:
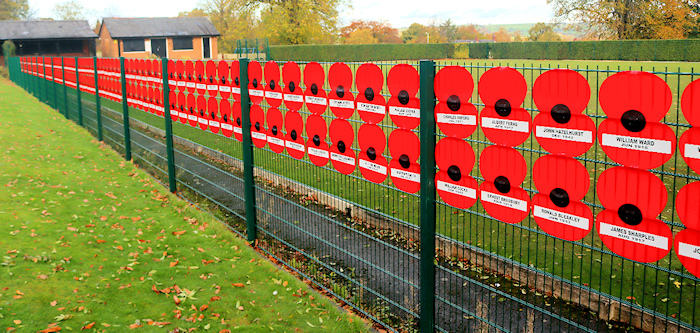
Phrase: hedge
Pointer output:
(358, 53)
(635, 50)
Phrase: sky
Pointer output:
(400, 14)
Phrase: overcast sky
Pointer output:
(399, 13)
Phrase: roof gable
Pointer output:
(22, 30)
(159, 27)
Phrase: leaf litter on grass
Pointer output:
(91, 241)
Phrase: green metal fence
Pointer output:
(406, 261)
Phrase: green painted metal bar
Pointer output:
(77, 92)
(53, 84)
(44, 91)
(427, 196)
(125, 113)
(172, 181)
(65, 89)
(248, 179)
(98, 102)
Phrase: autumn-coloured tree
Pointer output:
(502, 35)
(470, 32)
(232, 18)
(70, 10)
(629, 19)
(299, 21)
(14, 10)
(360, 36)
(542, 32)
(414, 34)
(381, 32)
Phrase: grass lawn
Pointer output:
(90, 241)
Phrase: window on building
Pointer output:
(182, 44)
(71, 46)
(134, 45)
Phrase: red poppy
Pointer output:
(404, 170)
(257, 126)
(340, 99)
(199, 77)
(404, 106)
(237, 121)
(561, 128)
(503, 121)
(687, 246)
(342, 155)
(315, 96)
(454, 114)
(635, 102)
(235, 81)
(174, 108)
(192, 110)
(293, 140)
(211, 79)
(222, 73)
(273, 91)
(562, 182)
(189, 76)
(227, 120)
(255, 82)
(152, 108)
(689, 143)
(275, 138)
(503, 169)
(316, 145)
(180, 75)
(633, 198)
(213, 115)
(293, 95)
(369, 101)
(182, 107)
(455, 159)
(372, 142)
(201, 112)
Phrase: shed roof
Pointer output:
(159, 27)
(20, 30)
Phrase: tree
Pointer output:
(448, 30)
(361, 36)
(502, 35)
(627, 19)
(382, 32)
(15, 10)
(414, 34)
(234, 19)
(542, 32)
(70, 10)
(299, 21)
(470, 32)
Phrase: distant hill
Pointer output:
(523, 28)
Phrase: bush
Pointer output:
(359, 53)
(633, 50)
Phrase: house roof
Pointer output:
(159, 27)
(22, 30)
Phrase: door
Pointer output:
(206, 48)
(158, 47)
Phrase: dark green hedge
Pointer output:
(636, 50)
(368, 52)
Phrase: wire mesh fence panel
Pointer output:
(565, 197)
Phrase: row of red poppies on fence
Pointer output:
(632, 135)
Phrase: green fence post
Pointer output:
(168, 126)
(98, 102)
(77, 92)
(53, 84)
(65, 90)
(267, 52)
(427, 196)
(125, 113)
(45, 91)
(248, 179)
